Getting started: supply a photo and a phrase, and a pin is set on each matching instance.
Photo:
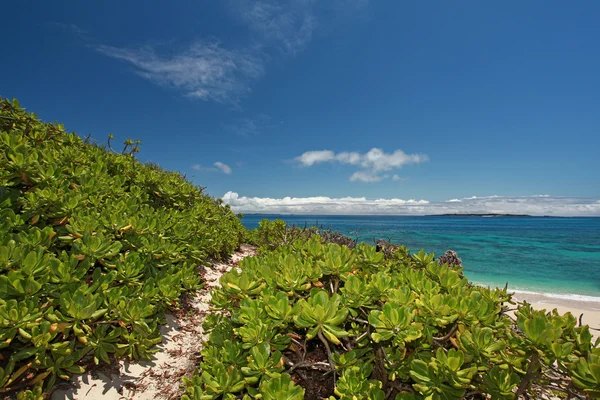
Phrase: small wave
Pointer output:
(572, 297)
(549, 296)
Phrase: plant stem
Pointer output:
(310, 365)
(322, 339)
(448, 335)
(529, 375)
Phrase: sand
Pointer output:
(177, 357)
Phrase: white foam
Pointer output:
(558, 296)
(572, 297)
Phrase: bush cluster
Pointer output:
(94, 246)
(271, 234)
(316, 320)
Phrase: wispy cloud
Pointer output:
(72, 29)
(367, 177)
(199, 167)
(288, 24)
(226, 169)
(204, 70)
(534, 205)
(216, 167)
(349, 7)
(250, 126)
(209, 70)
(291, 24)
(372, 163)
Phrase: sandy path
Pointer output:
(159, 378)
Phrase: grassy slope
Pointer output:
(94, 246)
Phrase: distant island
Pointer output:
(480, 215)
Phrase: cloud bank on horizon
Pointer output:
(322, 205)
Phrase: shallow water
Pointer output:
(558, 256)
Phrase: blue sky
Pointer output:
(431, 101)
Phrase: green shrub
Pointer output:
(94, 246)
(313, 320)
(271, 234)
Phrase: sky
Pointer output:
(330, 106)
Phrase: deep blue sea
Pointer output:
(557, 256)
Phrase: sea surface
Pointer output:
(556, 256)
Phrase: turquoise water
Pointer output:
(557, 256)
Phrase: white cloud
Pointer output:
(534, 205)
(226, 169)
(217, 166)
(377, 160)
(352, 158)
(373, 162)
(310, 158)
(204, 70)
(367, 177)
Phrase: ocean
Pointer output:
(556, 256)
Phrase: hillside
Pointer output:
(94, 247)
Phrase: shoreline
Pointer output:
(542, 294)
(584, 302)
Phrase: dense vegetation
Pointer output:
(312, 319)
(94, 246)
